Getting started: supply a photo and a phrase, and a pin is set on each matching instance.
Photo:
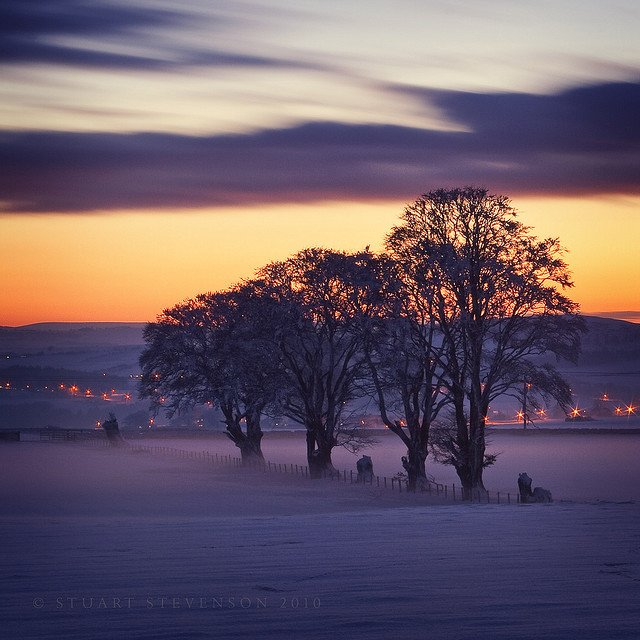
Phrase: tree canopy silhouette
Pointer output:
(496, 292)
(322, 297)
(212, 349)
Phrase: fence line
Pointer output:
(397, 484)
(69, 435)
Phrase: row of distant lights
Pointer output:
(106, 395)
(541, 413)
(626, 410)
(621, 410)
(576, 412)
(74, 390)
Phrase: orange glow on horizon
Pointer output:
(129, 266)
(591, 229)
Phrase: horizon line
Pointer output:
(628, 316)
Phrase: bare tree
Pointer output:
(318, 298)
(403, 352)
(210, 350)
(497, 297)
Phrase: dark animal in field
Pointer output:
(528, 496)
(112, 431)
(365, 469)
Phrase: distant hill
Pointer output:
(57, 335)
(94, 353)
(110, 347)
(608, 345)
(74, 326)
(629, 316)
(611, 344)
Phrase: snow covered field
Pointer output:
(105, 544)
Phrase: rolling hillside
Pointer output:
(103, 357)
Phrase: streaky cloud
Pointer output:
(18, 50)
(30, 18)
(582, 141)
(30, 33)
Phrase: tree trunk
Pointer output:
(249, 443)
(319, 456)
(464, 454)
(249, 453)
(415, 465)
(469, 470)
(254, 435)
(464, 473)
(476, 450)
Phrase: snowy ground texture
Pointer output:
(170, 549)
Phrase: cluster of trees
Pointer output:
(464, 304)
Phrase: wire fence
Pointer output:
(444, 492)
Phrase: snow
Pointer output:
(160, 547)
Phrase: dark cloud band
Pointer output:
(583, 141)
(31, 18)
(31, 31)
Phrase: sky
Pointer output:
(153, 149)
